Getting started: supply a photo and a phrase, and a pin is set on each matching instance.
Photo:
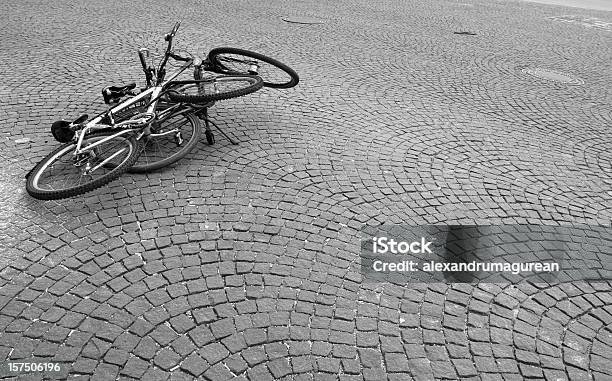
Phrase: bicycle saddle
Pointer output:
(112, 94)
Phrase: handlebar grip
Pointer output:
(143, 60)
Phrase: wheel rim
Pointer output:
(238, 63)
(62, 171)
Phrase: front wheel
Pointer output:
(275, 74)
(62, 174)
(213, 89)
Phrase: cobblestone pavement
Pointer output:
(242, 260)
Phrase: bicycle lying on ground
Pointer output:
(152, 128)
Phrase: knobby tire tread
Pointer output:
(84, 188)
(212, 56)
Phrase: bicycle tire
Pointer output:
(223, 62)
(160, 151)
(107, 173)
(195, 91)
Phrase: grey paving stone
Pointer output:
(135, 367)
(195, 365)
(246, 255)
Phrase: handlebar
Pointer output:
(168, 37)
(161, 71)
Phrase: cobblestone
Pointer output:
(240, 261)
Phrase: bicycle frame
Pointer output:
(94, 124)
(154, 92)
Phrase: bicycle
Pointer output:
(235, 61)
(145, 132)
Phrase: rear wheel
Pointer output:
(63, 174)
(239, 61)
(172, 138)
(214, 88)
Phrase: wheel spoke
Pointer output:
(161, 150)
(61, 174)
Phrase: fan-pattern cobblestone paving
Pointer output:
(241, 261)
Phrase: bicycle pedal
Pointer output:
(178, 139)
